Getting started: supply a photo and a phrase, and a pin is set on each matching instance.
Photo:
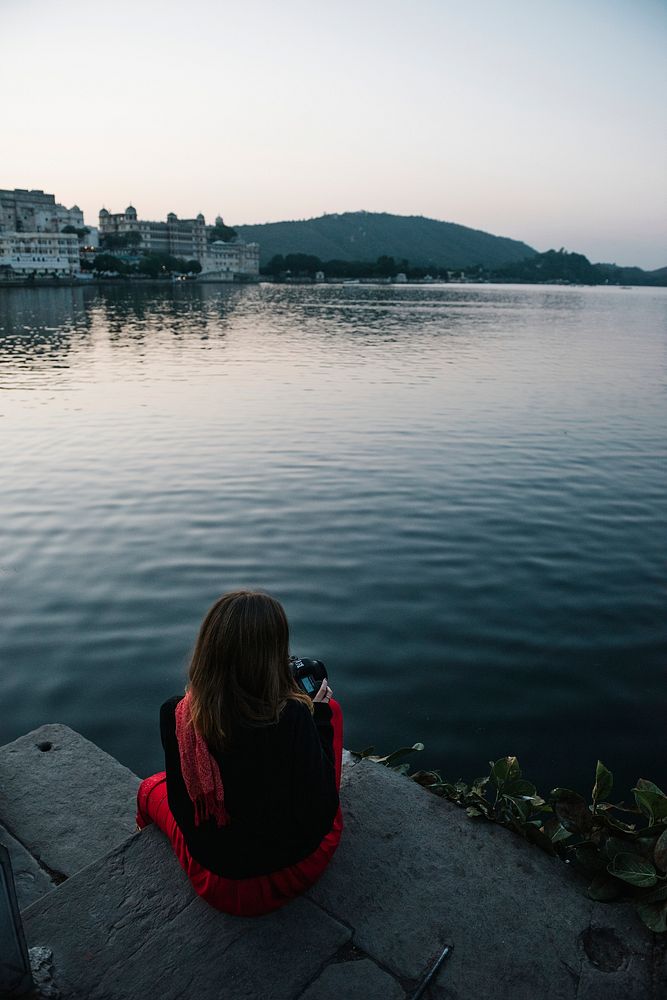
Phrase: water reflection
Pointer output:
(458, 492)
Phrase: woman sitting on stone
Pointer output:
(249, 797)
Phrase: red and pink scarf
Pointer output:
(200, 771)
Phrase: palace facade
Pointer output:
(186, 238)
(23, 211)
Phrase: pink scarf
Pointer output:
(200, 771)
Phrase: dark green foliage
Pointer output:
(365, 236)
(561, 267)
(619, 858)
(106, 262)
(220, 232)
(301, 265)
(120, 241)
(72, 231)
(552, 266)
(155, 265)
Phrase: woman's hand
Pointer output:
(325, 693)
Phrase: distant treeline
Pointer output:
(303, 265)
(574, 268)
(150, 265)
(554, 266)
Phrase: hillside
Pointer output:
(369, 235)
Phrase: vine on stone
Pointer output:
(621, 848)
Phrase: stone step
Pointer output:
(63, 803)
(413, 873)
(130, 925)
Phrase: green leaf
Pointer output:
(617, 824)
(604, 783)
(555, 831)
(472, 811)
(556, 794)
(654, 916)
(658, 894)
(571, 810)
(390, 758)
(427, 779)
(520, 787)
(660, 852)
(648, 786)
(538, 837)
(505, 769)
(615, 845)
(603, 888)
(652, 803)
(633, 870)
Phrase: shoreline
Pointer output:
(41, 283)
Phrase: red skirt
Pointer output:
(243, 897)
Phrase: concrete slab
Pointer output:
(131, 925)
(358, 980)
(413, 873)
(64, 799)
(31, 881)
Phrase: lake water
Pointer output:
(459, 493)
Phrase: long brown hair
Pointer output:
(240, 671)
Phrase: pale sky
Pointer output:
(543, 120)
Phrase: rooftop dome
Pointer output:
(130, 210)
(103, 212)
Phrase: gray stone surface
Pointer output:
(614, 955)
(413, 873)
(67, 804)
(131, 926)
(358, 980)
(31, 881)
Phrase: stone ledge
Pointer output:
(65, 800)
(131, 925)
(31, 881)
(412, 874)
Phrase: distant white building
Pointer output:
(39, 254)
(227, 261)
(186, 238)
(179, 237)
(23, 211)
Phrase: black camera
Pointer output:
(308, 674)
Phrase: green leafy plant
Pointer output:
(620, 848)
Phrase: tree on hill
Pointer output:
(220, 232)
(355, 236)
(552, 266)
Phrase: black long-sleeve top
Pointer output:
(280, 792)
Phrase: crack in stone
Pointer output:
(56, 877)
